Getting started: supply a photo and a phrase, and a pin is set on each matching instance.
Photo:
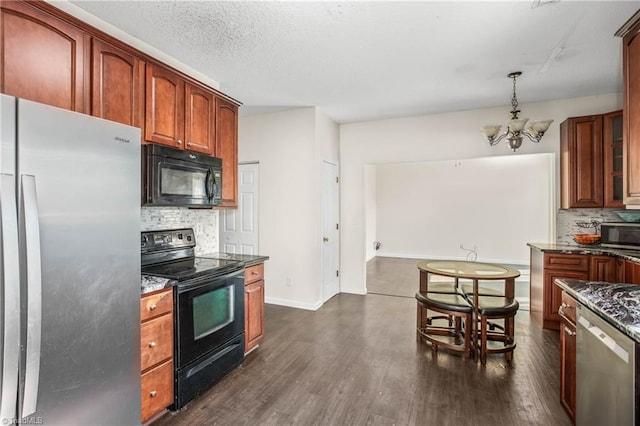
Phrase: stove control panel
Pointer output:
(167, 239)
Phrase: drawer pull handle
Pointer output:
(569, 332)
(152, 344)
(153, 394)
(152, 307)
(254, 273)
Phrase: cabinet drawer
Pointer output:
(254, 273)
(573, 262)
(567, 309)
(156, 304)
(157, 390)
(156, 341)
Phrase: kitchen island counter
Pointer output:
(618, 304)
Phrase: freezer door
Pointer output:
(79, 226)
(9, 264)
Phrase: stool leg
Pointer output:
(509, 324)
(467, 337)
(483, 340)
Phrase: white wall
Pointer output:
(446, 136)
(290, 146)
(370, 211)
(495, 205)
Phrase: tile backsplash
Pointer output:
(203, 221)
(566, 222)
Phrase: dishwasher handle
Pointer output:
(605, 339)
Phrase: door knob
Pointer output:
(325, 239)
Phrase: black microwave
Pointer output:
(175, 177)
(622, 235)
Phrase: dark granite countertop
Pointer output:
(246, 259)
(618, 304)
(632, 255)
(150, 283)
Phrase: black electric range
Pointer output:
(171, 254)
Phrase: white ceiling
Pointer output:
(360, 61)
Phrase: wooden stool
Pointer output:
(495, 307)
(451, 305)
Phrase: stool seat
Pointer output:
(446, 301)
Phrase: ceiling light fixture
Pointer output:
(515, 127)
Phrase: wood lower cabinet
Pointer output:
(156, 352)
(603, 268)
(117, 84)
(631, 272)
(253, 306)
(227, 149)
(568, 356)
(545, 296)
(43, 58)
(630, 34)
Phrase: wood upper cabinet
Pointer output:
(43, 58)
(631, 107)
(227, 149)
(117, 84)
(581, 165)
(613, 159)
(200, 118)
(178, 113)
(164, 107)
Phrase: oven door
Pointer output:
(209, 314)
(183, 179)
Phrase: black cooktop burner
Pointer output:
(193, 267)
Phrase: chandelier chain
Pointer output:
(514, 99)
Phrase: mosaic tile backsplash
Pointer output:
(203, 221)
(566, 222)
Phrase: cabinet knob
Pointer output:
(254, 273)
(189, 143)
(179, 142)
(569, 332)
(564, 305)
(152, 307)
(153, 394)
(152, 344)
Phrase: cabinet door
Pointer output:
(603, 268)
(631, 272)
(227, 149)
(117, 89)
(631, 119)
(199, 119)
(620, 270)
(568, 369)
(581, 164)
(613, 159)
(164, 106)
(553, 295)
(254, 314)
(43, 59)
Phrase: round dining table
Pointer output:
(474, 271)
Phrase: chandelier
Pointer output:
(516, 126)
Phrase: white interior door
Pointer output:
(330, 229)
(239, 227)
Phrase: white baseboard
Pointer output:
(435, 257)
(293, 303)
(358, 291)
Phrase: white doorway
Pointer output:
(330, 231)
(239, 227)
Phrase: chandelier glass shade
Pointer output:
(516, 127)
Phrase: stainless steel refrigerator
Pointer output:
(70, 267)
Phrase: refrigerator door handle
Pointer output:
(29, 198)
(11, 283)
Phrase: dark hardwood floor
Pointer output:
(356, 361)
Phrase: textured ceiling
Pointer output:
(360, 61)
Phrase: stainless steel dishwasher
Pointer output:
(605, 358)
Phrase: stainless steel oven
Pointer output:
(174, 177)
(208, 310)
